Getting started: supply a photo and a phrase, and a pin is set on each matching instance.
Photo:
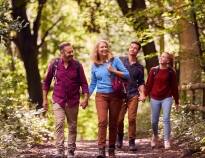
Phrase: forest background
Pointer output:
(31, 30)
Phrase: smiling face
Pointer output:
(164, 58)
(103, 50)
(67, 53)
(133, 49)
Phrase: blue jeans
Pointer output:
(156, 106)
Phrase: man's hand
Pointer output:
(84, 103)
(45, 105)
(142, 97)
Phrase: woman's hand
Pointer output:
(111, 68)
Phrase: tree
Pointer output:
(137, 6)
(26, 41)
(7, 27)
(190, 69)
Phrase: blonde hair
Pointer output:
(95, 56)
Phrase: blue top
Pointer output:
(101, 77)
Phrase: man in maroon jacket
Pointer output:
(69, 77)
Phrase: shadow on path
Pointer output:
(88, 149)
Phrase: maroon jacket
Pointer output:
(67, 84)
(162, 84)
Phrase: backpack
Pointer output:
(118, 84)
(55, 69)
(170, 71)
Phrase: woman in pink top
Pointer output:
(162, 87)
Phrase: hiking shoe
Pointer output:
(119, 141)
(132, 146)
(111, 152)
(101, 153)
(70, 154)
(154, 141)
(167, 144)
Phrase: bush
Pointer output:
(189, 129)
(19, 127)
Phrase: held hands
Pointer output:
(84, 103)
(142, 97)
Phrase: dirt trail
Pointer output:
(88, 149)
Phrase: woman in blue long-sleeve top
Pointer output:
(107, 101)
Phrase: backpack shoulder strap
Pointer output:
(55, 67)
(171, 72)
(155, 70)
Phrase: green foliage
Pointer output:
(87, 122)
(189, 129)
(19, 127)
(8, 27)
(143, 120)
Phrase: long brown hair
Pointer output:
(95, 55)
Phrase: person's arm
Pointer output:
(45, 100)
(84, 102)
(93, 82)
(141, 83)
(142, 95)
(84, 86)
(175, 91)
(46, 85)
(149, 83)
(120, 69)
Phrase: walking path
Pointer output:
(88, 149)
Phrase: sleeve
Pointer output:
(84, 83)
(120, 66)
(93, 82)
(48, 77)
(175, 91)
(149, 82)
(141, 75)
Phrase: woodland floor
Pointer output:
(88, 149)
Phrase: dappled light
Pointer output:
(30, 36)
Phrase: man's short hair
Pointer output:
(62, 45)
(137, 43)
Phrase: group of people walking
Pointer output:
(111, 106)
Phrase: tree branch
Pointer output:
(19, 12)
(123, 6)
(47, 32)
(38, 19)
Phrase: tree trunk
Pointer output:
(149, 48)
(27, 46)
(189, 54)
(190, 69)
